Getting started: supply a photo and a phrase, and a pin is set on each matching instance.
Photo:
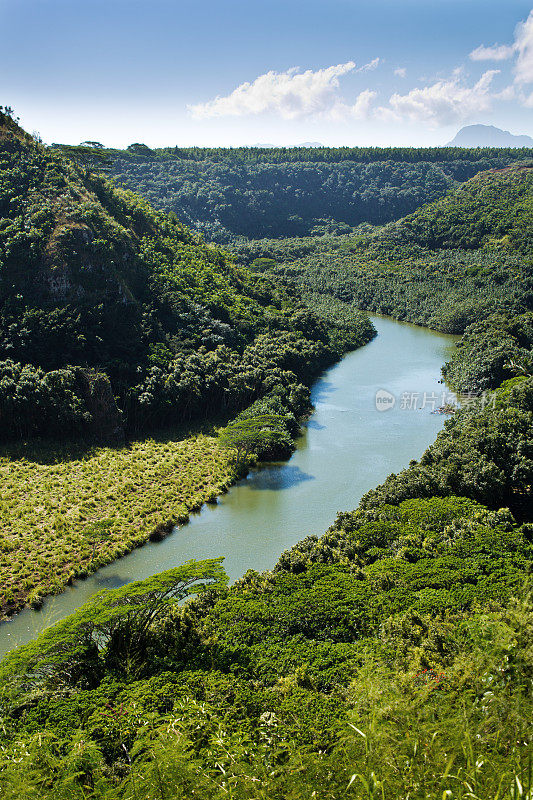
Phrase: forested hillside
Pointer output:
(390, 658)
(94, 281)
(447, 265)
(280, 192)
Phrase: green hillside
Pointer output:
(228, 193)
(447, 265)
(94, 280)
(493, 208)
(390, 658)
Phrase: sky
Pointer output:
(230, 73)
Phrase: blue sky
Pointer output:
(342, 72)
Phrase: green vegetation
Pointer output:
(261, 433)
(390, 658)
(392, 665)
(490, 352)
(115, 320)
(448, 265)
(67, 510)
(92, 277)
(279, 192)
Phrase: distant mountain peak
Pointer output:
(488, 136)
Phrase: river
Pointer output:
(348, 446)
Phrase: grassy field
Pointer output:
(65, 512)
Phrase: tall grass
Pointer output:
(65, 514)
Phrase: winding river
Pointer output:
(348, 447)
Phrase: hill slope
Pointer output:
(447, 265)
(273, 192)
(93, 277)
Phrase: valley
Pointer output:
(388, 656)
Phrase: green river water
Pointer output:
(348, 447)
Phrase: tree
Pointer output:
(140, 148)
(112, 629)
(253, 435)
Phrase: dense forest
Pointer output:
(280, 192)
(447, 265)
(389, 658)
(95, 284)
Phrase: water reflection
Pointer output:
(276, 477)
(322, 390)
(314, 425)
(110, 581)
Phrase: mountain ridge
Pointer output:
(488, 136)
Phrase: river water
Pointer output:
(348, 447)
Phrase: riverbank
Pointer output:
(68, 508)
(373, 642)
(347, 448)
(66, 512)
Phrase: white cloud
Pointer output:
(498, 52)
(524, 47)
(367, 67)
(291, 94)
(401, 72)
(522, 50)
(509, 93)
(443, 103)
(361, 109)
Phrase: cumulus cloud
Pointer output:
(292, 94)
(497, 52)
(442, 103)
(401, 72)
(522, 50)
(524, 47)
(361, 109)
(509, 93)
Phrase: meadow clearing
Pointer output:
(65, 512)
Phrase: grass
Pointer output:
(65, 511)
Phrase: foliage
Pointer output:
(32, 400)
(450, 264)
(280, 192)
(379, 673)
(114, 631)
(491, 351)
(93, 276)
(257, 434)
